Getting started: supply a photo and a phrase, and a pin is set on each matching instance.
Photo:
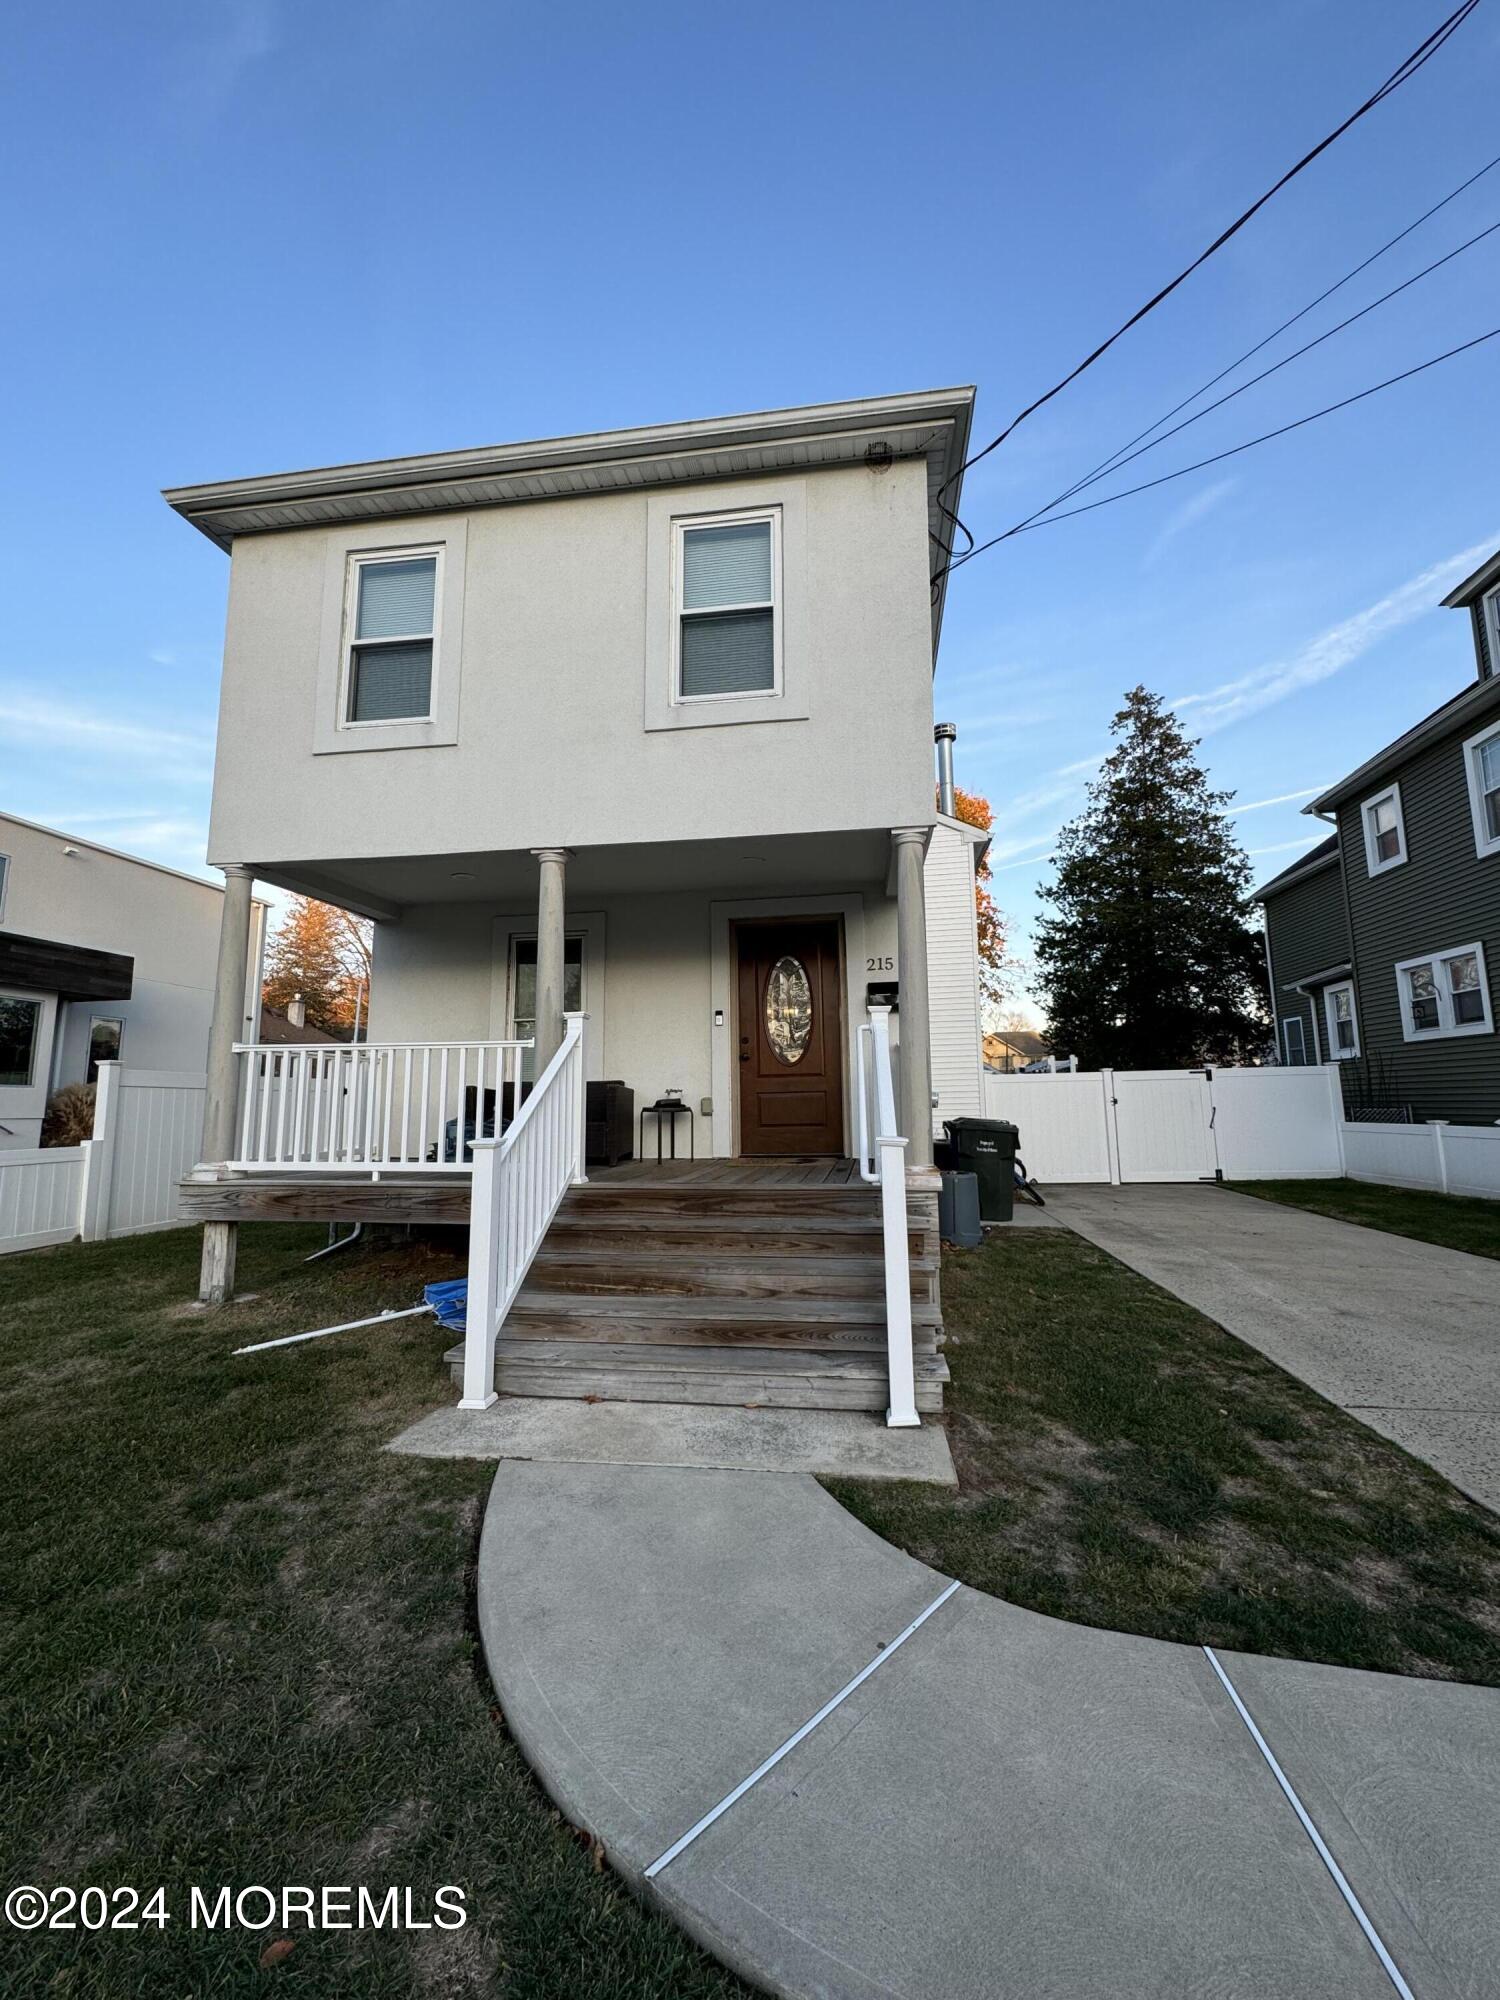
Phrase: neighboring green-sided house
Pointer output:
(1383, 942)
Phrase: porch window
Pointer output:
(727, 578)
(105, 1039)
(1294, 1042)
(1446, 993)
(392, 635)
(1385, 831)
(524, 1018)
(1482, 767)
(20, 1027)
(1338, 1012)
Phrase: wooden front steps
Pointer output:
(751, 1293)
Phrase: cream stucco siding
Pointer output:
(553, 649)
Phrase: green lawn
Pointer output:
(239, 1645)
(1453, 1221)
(1125, 1462)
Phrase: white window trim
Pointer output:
(789, 702)
(345, 551)
(1373, 864)
(358, 562)
(681, 529)
(1447, 1028)
(1489, 611)
(1289, 1021)
(1330, 1021)
(1483, 844)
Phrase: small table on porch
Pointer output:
(671, 1109)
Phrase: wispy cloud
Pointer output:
(1332, 650)
(1281, 799)
(1286, 846)
(54, 725)
(1186, 516)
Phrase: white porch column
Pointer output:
(216, 1278)
(910, 844)
(551, 938)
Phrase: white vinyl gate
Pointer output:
(1174, 1124)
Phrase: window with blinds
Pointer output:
(391, 638)
(727, 607)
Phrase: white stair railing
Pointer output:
(882, 1162)
(373, 1107)
(519, 1181)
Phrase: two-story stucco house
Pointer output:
(625, 742)
(1383, 942)
(104, 957)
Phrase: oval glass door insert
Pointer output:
(788, 1009)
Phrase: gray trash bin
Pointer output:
(958, 1211)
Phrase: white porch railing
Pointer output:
(882, 1161)
(519, 1181)
(375, 1107)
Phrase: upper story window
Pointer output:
(1482, 767)
(392, 636)
(1338, 1015)
(1385, 831)
(1489, 611)
(728, 637)
(1445, 993)
(4, 882)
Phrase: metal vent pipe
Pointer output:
(944, 734)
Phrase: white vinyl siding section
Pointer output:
(952, 977)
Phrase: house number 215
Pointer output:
(880, 965)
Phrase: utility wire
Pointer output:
(1108, 464)
(1404, 71)
(1119, 461)
(1030, 527)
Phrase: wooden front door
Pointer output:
(791, 1042)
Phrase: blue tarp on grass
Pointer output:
(449, 1302)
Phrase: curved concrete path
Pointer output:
(1007, 1808)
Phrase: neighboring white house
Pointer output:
(635, 725)
(103, 957)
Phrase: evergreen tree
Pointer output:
(1147, 960)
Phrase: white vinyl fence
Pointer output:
(1174, 1125)
(147, 1128)
(1449, 1159)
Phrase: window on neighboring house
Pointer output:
(524, 1017)
(20, 1028)
(727, 637)
(1482, 767)
(1489, 609)
(1338, 1013)
(4, 882)
(1446, 993)
(1385, 831)
(1294, 1038)
(391, 637)
(105, 1037)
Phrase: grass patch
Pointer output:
(1452, 1221)
(237, 1648)
(1124, 1462)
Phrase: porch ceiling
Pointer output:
(791, 864)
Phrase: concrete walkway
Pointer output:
(1403, 1334)
(1006, 1807)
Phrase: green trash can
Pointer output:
(986, 1148)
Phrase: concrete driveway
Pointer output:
(1402, 1334)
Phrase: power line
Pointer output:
(1126, 457)
(1404, 71)
(1117, 457)
(1030, 527)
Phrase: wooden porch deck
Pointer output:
(444, 1198)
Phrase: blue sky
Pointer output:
(246, 235)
